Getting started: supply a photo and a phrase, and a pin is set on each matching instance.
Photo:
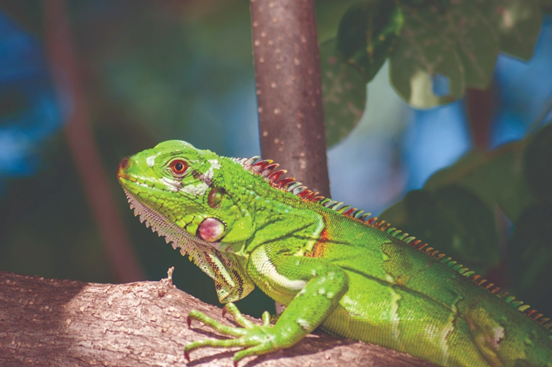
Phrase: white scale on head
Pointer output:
(151, 160)
(197, 189)
(215, 165)
(202, 187)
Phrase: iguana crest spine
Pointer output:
(266, 168)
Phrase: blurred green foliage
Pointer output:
(452, 216)
(458, 40)
(368, 33)
(155, 71)
(343, 93)
(529, 256)
(148, 71)
(437, 49)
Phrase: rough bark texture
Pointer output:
(50, 322)
(287, 71)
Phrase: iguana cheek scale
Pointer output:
(333, 266)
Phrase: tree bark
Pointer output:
(50, 322)
(287, 71)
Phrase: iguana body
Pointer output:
(331, 266)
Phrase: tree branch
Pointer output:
(480, 108)
(63, 322)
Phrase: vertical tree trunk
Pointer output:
(287, 71)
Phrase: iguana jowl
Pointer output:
(332, 266)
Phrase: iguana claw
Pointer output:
(259, 339)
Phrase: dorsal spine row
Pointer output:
(266, 168)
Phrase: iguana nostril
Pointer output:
(124, 163)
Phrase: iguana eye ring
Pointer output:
(179, 167)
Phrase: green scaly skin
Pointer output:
(332, 267)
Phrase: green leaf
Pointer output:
(422, 54)
(476, 42)
(328, 16)
(452, 220)
(529, 255)
(538, 164)
(496, 177)
(517, 23)
(457, 42)
(367, 34)
(343, 93)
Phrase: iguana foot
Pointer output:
(260, 339)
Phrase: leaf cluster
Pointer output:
(436, 49)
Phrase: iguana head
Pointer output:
(181, 193)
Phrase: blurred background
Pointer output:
(86, 83)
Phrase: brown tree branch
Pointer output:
(50, 322)
(287, 71)
(480, 109)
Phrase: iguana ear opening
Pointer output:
(214, 199)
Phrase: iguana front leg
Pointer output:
(313, 286)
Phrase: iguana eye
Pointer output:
(178, 166)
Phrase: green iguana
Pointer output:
(332, 266)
